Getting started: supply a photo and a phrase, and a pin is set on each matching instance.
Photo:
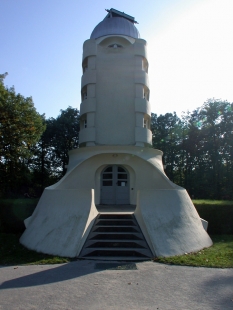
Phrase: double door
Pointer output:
(114, 186)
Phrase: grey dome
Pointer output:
(115, 25)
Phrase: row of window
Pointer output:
(115, 46)
(146, 122)
(146, 93)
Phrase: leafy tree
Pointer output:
(51, 152)
(20, 128)
(166, 131)
(198, 149)
(64, 133)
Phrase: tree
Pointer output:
(64, 133)
(51, 152)
(20, 128)
(217, 128)
(166, 131)
(198, 149)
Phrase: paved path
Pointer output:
(89, 285)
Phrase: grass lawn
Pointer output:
(212, 202)
(219, 255)
(13, 253)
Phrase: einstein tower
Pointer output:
(115, 200)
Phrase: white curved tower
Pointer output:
(115, 107)
(115, 164)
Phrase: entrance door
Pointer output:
(114, 186)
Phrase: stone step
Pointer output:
(118, 258)
(115, 243)
(115, 222)
(116, 216)
(116, 229)
(116, 237)
(118, 252)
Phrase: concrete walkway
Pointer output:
(89, 285)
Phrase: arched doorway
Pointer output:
(114, 186)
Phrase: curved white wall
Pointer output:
(117, 80)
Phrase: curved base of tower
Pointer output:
(115, 175)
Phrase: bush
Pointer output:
(218, 214)
(13, 212)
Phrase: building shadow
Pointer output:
(59, 273)
(220, 288)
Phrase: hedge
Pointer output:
(219, 217)
(218, 214)
(13, 212)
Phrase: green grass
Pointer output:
(13, 253)
(212, 202)
(220, 255)
(217, 212)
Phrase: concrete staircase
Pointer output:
(116, 237)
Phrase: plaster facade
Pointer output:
(115, 107)
(115, 162)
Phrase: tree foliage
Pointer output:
(20, 128)
(51, 152)
(198, 149)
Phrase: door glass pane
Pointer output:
(107, 183)
(109, 169)
(107, 176)
(122, 176)
(120, 169)
(121, 183)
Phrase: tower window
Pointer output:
(115, 45)
(83, 121)
(145, 65)
(146, 121)
(84, 93)
(146, 93)
(85, 64)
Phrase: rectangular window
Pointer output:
(145, 65)
(145, 125)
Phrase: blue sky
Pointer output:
(189, 41)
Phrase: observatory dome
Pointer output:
(115, 26)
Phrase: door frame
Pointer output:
(114, 187)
